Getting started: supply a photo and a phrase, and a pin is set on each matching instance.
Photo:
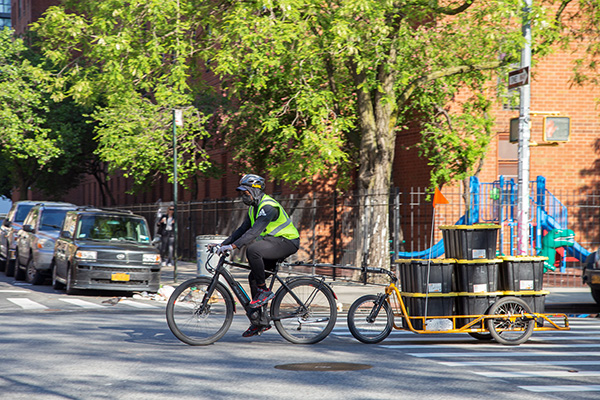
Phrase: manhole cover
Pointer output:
(324, 366)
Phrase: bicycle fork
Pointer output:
(381, 298)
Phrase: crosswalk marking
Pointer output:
(562, 388)
(13, 291)
(82, 303)
(27, 304)
(507, 354)
(137, 305)
(497, 363)
(537, 374)
(528, 345)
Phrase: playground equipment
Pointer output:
(496, 203)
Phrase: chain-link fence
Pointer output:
(329, 224)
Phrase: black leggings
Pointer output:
(264, 254)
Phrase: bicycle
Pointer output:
(508, 321)
(200, 310)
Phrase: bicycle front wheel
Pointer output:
(366, 327)
(306, 313)
(194, 324)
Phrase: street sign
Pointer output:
(518, 77)
(557, 129)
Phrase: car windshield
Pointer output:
(22, 211)
(52, 220)
(112, 228)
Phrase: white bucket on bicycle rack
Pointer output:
(202, 252)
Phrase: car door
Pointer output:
(61, 248)
(5, 231)
(24, 237)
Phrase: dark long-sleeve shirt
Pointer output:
(247, 233)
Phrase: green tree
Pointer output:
(26, 143)
(316, 87)
(133, 61)
(324, 87)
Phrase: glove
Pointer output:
(224, 249)
(211, 245)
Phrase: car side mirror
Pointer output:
(6, 222)
(28, 228)
(65, 234)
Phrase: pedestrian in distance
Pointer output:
(269, 235)
(166, 230)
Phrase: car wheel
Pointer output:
(19, 270)
(596, 295)
(70, 281)
(32, 275)
(3, 264)
(55, 283)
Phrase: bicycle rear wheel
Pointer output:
(370, 331)
(196, 325)
(308, 317)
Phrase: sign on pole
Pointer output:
(518, 77)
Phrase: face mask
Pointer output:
(247, 199)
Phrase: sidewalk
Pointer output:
(558, 299)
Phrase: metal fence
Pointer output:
(329, 225)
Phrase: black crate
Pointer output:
(472, 305)
(470, 242)
(404, 267)
(436, 306)
(477, 276)
(536, 303)
(414, 275)
(521, 273)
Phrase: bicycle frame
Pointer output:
(239, 291)
(395, 299)
(478, 320)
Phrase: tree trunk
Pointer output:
(374, 179)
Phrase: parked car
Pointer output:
(105, 249)
(591, 274)
(8, 231)
(34, 247)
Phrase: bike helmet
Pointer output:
(252, 181)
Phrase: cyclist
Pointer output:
(269, 235)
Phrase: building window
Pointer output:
(508, 157)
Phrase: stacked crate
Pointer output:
(469, 280)
(477, 268)
(427, 287)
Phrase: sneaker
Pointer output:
(261, 298)
(256, 330)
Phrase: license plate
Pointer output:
(120, 276)
(595, 278)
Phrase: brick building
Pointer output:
(572, 168)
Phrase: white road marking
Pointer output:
(136, 304)
(562, 388)
(27, 304)
(534, 374)
(82, 303)
(508, 354)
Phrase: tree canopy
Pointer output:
(315, 87)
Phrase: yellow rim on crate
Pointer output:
(523, 258)
(433, 260)
(480, 261)
(476, 226)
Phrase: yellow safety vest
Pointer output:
(282, 226)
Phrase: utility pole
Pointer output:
(177, 121)
(524, 137)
